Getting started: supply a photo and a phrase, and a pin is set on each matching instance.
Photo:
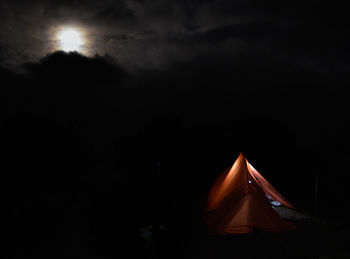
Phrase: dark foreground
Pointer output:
(312, 239)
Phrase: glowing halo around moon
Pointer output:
(70, 39)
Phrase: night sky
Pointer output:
(161, 97)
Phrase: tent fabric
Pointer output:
(237, 202)
(268, 188)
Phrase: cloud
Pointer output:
(76, 68)
(154, 34)
(29, 27)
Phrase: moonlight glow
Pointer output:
(70, 40)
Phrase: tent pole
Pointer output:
(316, 194)
(156, 219)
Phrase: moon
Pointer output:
(70, 39)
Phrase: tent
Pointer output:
(241, 199)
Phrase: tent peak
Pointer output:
(242, 155)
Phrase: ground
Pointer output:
(313, 238)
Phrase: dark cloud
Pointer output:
(63, 101)
(76, 68)
(70, 90)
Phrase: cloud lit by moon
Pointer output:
(70, 39)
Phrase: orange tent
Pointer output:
(238, 202)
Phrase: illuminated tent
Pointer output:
(240, 200)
